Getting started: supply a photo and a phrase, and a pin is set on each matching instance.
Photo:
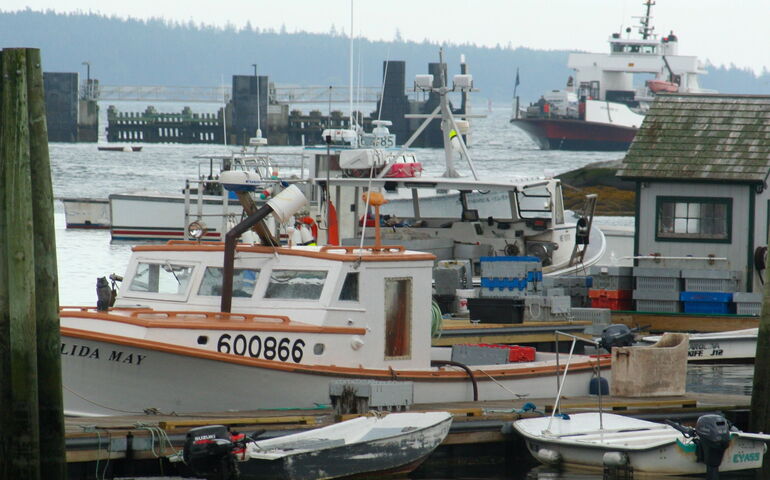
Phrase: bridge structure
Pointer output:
(222, 94)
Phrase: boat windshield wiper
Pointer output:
(170, 268)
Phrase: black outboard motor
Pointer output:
(713, 438)
(616, 336)
(209, 452)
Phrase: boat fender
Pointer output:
(548, 456)
(614, 459)
(760, 262)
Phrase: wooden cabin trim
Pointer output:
(200, 320)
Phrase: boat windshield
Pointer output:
(296, 284)
(535, 202)
(244, 281)
(165, 278)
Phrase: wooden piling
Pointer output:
(760, 393)
(27, 316)
(24, 461)
(49, 381)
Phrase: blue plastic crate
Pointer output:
(707, 307)
(504, 283)
(716, 297)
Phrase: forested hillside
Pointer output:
(158, 52)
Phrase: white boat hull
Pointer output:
(730, 346)
(160, 217)
(395, 444)
(105, 376)
(646, 447)
(86, 212)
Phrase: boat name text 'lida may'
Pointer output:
(85, 351)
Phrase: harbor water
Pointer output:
(499, 151)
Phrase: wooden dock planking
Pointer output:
(683, 322)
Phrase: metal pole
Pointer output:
(259, 100)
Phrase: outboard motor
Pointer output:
(209, 452)
(616, 336)
(712, 438)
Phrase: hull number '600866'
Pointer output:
(269, 348)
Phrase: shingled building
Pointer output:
(701, 164)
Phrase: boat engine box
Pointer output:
(496, 310)
(360, 396)
(451, 275)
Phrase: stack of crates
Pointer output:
(510, 277)
(747, 303)
(709, 291)
(600, 319)
(612, 287)
(658, 289)
(576, 287)
(551, 308)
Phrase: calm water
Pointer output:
(499, 150)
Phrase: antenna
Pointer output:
(351, 64)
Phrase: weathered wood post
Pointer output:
(760, 393)
(30, 371)
(53, 463)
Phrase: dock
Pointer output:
(480, 436)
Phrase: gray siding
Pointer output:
(735, 251)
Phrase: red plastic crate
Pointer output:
(610, 294)
(516, 353)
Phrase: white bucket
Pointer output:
(287, 203)
(462, 295)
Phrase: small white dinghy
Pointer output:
(595, 441)
(390, 444)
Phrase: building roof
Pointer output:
(709, 137)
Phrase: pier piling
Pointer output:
(30, 369)
(760, 393)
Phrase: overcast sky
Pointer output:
(723, 32)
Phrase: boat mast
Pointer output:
(350, 88)
(646, 29)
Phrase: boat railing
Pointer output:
(560, 382)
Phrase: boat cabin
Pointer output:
(338, 306)
(701, 164)
(459, 218)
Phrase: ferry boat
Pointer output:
(602, 107)
(212, 327)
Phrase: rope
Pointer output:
(437, 319)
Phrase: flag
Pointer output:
(516, 84)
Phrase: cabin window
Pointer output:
(244, 281)
(298, 284)
(534, 202)
(164, 278)
(350, 287)
(398, 317)
(699, 219)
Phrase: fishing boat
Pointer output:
(160, 216)
(596, 440)
(119, 148)
(728, 346)
(602, 107)
(391, 444)
(272, 326)
(458, 217)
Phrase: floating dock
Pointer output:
(480, 437)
